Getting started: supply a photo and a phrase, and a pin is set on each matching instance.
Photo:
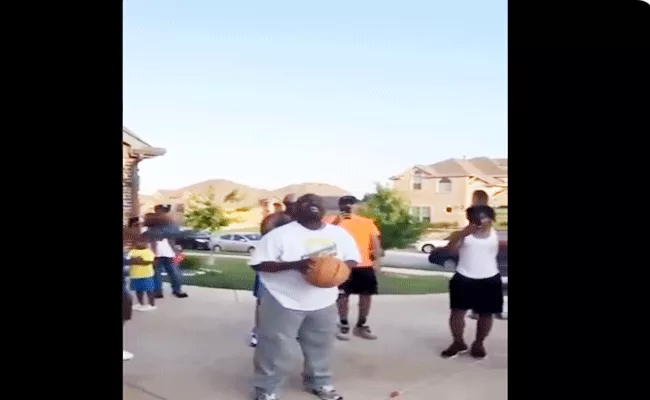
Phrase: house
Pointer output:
(134, 150)
(442, 191)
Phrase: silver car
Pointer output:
(244, 242)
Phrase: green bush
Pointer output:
(191, 263)
(502, 223)
(443, 225)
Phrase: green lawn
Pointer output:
(234, 273)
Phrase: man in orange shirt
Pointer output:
(363, 280)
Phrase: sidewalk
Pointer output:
(195, 349)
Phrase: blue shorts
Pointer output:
(256, 285)
(143, 284)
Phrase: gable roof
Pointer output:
(484, 168)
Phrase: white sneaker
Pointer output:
(137, 307)
(126, 356)
(147, 307)
(253, 341)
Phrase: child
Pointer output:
(141, 274)
(126, 305)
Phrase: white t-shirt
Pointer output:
(163, 248)
(293, 242)
(477, 257)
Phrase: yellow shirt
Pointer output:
(141, 271)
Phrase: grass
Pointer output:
(234, 273)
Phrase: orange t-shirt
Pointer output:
(362, 230)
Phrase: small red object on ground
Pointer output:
(394, 394)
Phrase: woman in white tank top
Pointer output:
(477, 282)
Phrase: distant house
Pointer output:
(134, 150)
(442, 191)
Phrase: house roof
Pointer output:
(487, 169)
(138, 145)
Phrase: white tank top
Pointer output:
(477, 258)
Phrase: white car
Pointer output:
(427, 245)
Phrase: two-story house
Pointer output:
(134, 150)
(442, 191)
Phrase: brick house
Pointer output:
(134, 150)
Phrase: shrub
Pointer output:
(502, 223)
(191, 263)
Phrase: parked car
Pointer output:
(193, 240)
(428, 245)
(242, 242)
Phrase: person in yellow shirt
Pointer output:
(141, 274)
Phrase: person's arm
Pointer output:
(456, 239)
(375, 242)
(267, 254)
(348, 249)
(503, 245)
(134, 261)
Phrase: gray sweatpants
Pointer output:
(277, 331)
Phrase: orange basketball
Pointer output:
(327, 272)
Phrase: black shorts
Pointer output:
(484, 296)
(363, 280)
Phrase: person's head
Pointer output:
(309, 208)
(348, 204)
(161, 208)
(481, 215)
(289, 202)
(277, 207)
(140, 242)
(480, 198)
(134, 222)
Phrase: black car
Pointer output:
(194, 240)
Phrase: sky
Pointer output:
(273, 93)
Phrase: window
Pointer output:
(421, 213)
(416, 182)
(239, 238)
(444, 185)
(226, 237)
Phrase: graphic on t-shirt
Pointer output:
(319, 247)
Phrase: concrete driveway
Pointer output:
(195, 349)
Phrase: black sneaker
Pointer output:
(159, 296)
(344, 332)
(181, 295)
(455, 349)
(478, 351)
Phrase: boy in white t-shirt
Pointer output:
(290, 307)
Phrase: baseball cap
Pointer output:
(348, 200)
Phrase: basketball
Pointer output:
(327, 272)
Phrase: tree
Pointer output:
(204, 213)
(391, 214)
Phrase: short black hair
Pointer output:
(348, 200)
(480, 195)
(476, 213)
(133, 221)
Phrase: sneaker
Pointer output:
(344, 332)
(137, 307)
(126, 356)
(263, 395)
(503, 316)
(181, 295)
(326, 392)
(455, 349)
(364, 332)
(253, 341)
(147, 307)
(159, 296)
(478, 351)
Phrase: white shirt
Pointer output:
(163, 248)
(477, 257)
(293, 242)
